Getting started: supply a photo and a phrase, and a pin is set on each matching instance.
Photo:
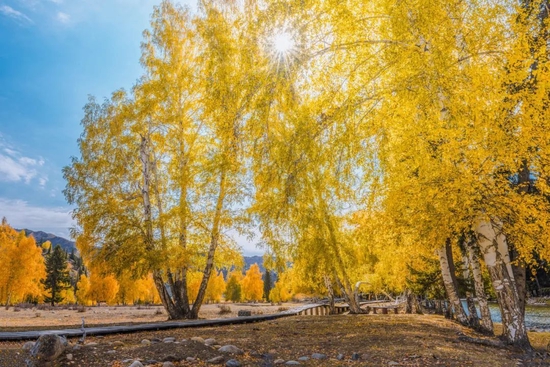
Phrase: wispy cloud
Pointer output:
(63, 17)
(12, 13)
(21, 214)
(16, 167)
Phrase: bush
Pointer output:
(159, 311)
(81, 309)
(281, 309)
(224, 309)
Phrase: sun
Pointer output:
(283, 43)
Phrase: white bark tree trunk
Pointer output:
(450, 286)
(486, 320)
(493, 246)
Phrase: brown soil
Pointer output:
(379, 340)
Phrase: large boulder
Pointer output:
(47, 349)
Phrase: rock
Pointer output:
(127, 360)
(340, 357)
(319, 356)
(230, 349)
(76, 347)
(48, 347)
(190, 359)
(168, 340)
(111, 352)
(210, 341)
(118, 343)
(69, 357)
(146, 342)
(93, 344)
(168, 364)
(28, 346)
(170, 358)
(155, 340)
(215, 360)
(292, 363)
(232, 363)
(279, 361)
(304, 358)
(393, 363)
(365, 357)
(136, 364)
(355, 356)
(197, 339)
(244, 313)
(151, 361)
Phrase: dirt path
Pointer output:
(365, 340)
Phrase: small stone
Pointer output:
(136, 364)
(365, 356)
(355, 356)
(111, 352)
(215, 360)
(155, 340)
(127, 360)
(168, 364)
(146, 342)
(69, 357)
(168, 340)
(232, 363)
(28, 346)
(393, 363)
(151, 361)
(340, 357)
(319, 356)
(190, 359)
(118, 343)
(76, 347)
(230, 349)
(92, 344)
(197, 339)
(304, 358)
(292, 363)
(279, 361)
(210, 341)
(245, 313)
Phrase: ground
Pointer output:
(377, 340)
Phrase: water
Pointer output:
(536, 317)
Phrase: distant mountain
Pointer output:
(41, 237)
(251, 260)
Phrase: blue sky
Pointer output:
(53, 54)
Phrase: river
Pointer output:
(536, 317)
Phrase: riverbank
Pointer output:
(342, 340)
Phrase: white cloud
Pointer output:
(12, 13)
(20, 214)
(63, 17)
(42, 181)
(15, 167)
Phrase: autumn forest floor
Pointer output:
(376, 340)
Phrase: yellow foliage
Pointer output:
(82, 292)
(103, 288)
(21, 266)
(216, 288)
(252, 284)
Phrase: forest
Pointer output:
(385, 147)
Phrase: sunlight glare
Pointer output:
(283, 43)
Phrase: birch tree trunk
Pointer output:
(330, 291)
(450, 283)
(214, 238)
(493, 245)
(145, 158)
(486, 324)
(473, 319)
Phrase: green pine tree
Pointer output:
(268, 284)
(57, 275)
